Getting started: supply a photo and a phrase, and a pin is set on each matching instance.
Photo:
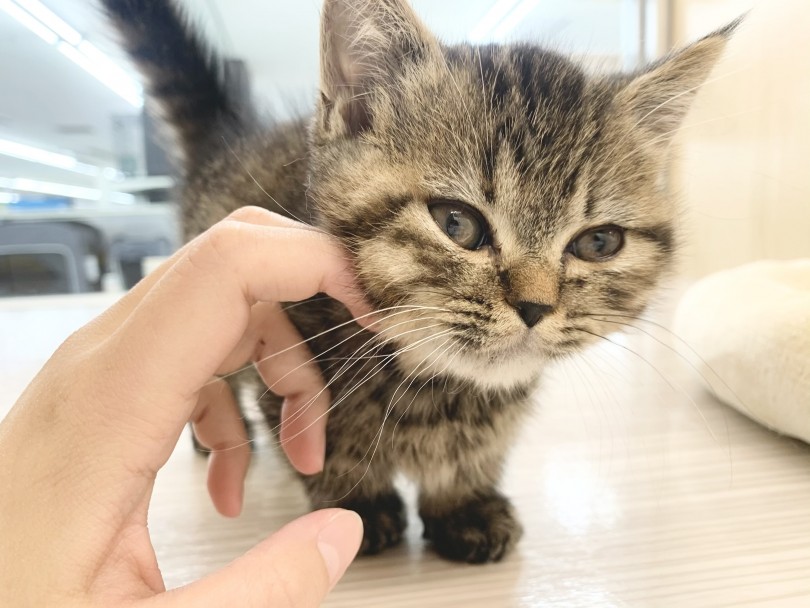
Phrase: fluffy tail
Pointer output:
(183, 75)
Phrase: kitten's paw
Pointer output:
(482, 530)
(383, 522)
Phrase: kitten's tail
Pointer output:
(183, 75)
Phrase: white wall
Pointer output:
(743, 171)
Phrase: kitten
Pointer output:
(505, 200)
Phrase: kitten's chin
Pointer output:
(484, 372)
(499, 375)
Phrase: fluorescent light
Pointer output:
(29, 185)
(124, 84)
(37, 155)
(495, 15)
(41, 30)
(7, 198)
(107, 72)
(56, 32)
(86, 194)
(512, 19)
(50, 20)
(33, 154)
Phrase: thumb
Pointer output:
(294, 568)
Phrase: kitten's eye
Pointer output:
(598, 244)
(463, 224)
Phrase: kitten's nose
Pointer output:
(532, 312)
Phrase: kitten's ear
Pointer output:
(659, 97)
(364, 43)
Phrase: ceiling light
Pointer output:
(89, 57)
(56, 32)
(50, 20)
(82, 193)
(33, 154)
(37, 155)
(44, 32)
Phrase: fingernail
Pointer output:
(338, 542)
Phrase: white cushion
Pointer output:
(751, 326)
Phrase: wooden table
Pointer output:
(636, 488)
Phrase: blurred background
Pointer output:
(86, 191)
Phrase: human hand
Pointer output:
(80, 450)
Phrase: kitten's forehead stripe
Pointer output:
(537, 108)
(544, 122)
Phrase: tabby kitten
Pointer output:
(496, 200)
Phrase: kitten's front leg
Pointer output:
(357, 475)
(349, 482)
(474, 524)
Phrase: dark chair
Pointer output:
(50, 257)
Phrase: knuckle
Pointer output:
(220, 238)
(218, 244)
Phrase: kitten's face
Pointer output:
(500, 190)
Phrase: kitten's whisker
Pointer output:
(428, 381)
(266, 193)
(487, 129)
(411, 308)
(666, 102)
(378, 368)
(368, 377)
(674, 350)
(376, 347)
(606, 385)
(415, 374)
(293, 305)
(682, 93)
(374, 372)
(379, 434)
(229, 448)
(392, 404)
(347, 365)
(661, 375)
(663, 136)
(371, 339)
(350, 361)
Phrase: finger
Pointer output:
(303, 430)
(182, 330)
(218, 425)
(286, 365)
(110, 319)
(294, 568)
(204, 301)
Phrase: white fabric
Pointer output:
(751, 325)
